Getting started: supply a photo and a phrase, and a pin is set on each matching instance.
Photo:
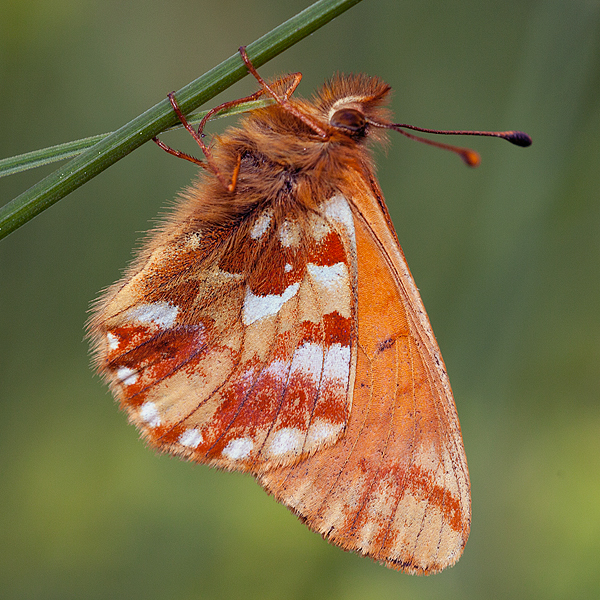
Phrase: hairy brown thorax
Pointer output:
(284, 161)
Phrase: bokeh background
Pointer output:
(507, 258)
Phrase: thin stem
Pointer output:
(52, 154)
(155, 120)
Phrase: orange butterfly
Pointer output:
(271, 325)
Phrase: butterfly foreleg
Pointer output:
(283, 100)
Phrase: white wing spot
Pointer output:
(337, 362)
(261, 225)
(259, 307)
(337, 209)
(320, 431)
(113, 341)
(248, 376)
(149, 413)
(190, 438)
(238, 448)
(126, 375)
(162, 314)
(279, 369)
(308, 360)
(289, 234)
(285, 441)
(334, 277)
(287, 267)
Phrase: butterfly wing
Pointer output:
(396, 486)
(235, 347)
(296, 347)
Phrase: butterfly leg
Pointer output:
(283, 101)
(183, 120)
(266, 89)
(210, 163)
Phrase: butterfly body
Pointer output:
(274, 328)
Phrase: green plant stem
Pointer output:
(52, 154)
(161, 116)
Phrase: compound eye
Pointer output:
(350, 119)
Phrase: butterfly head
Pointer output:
(348, 104)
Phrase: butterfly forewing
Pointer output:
(233, 363)
(396, 486)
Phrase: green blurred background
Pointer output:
(507, 258)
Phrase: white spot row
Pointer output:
(308, 360)
(312, 362)
(259, 307)
(334, 278)
(337, 209)
(322, 431)
(149, 414)
(261, 225)
(162, 314)
(190, 438)
(278, 369)
(112, 340)
(286, 441)
(337, 363)
(238, 448)
(318, 227)
(127, 376)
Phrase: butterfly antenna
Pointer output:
(470, 157)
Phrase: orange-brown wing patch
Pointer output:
(395, 487)
(238, 364)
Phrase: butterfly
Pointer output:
(271, 325)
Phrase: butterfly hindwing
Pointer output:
(396, 486)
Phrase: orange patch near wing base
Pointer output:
(388, 488)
